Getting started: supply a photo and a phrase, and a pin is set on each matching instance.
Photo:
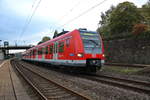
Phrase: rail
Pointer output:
(42, 85)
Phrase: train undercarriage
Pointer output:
(90, 66)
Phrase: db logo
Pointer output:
(93, 55)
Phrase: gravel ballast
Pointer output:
(95, 90)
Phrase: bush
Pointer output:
(139, 28)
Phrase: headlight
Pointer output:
(80, 55)
(103, 55)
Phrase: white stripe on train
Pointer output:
(79, 63)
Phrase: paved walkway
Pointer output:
(1, 62)
(10, 85)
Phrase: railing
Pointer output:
(15, 47)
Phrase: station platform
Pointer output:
(10, 84)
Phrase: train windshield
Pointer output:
(91, 41)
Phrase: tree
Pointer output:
(105, 16)
(147, 5)
(139, 28)
(145, 11)
(104, 29)
(123, 18)
(44, 39)
(55, 34)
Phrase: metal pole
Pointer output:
(0, 42)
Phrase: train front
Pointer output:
(93, 50)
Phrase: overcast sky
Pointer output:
(15, 26)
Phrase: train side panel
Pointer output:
(71, 49)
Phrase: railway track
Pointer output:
(10, 74)
(47, 89)
(137, 86)
(13, 86)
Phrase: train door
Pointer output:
(36, 54)
(55, 53)
(70, 47)
(43, 53)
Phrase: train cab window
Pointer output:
(91, 42)
(61, 47)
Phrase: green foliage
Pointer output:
(124, 17)
(147, 5)
(119, 21)
(121, 70)
(44, 39)
(104, 29)
(55, 33)
(144, 35)
(145, 11)
(105, 16)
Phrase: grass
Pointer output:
(120, 69)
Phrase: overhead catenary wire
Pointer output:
(66, 14)
(34, 2)
(70, 11)
(30, 18)
(83, 13)
(75, 6)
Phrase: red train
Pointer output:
(79, 49)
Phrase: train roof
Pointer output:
(61, 36)
(54, 39)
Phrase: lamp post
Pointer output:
(0, 42)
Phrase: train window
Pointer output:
(30, 53)
(61, 47)
(46, 50)
(91, 41)
(51, 49)
(56, 45)
(43, 51)
(67, 42)
(34, 52)
(39, 51)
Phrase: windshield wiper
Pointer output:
(93, 42)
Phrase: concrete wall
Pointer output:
(129, 50)
(1, 55)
